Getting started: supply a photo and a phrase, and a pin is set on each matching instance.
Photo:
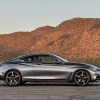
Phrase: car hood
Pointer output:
(76, 63)
(84, 65)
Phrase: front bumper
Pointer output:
(98, 75)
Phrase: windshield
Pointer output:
(61, 58)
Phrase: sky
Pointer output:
(27, 15)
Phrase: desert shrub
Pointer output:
(64, 36)
(96, 26)
(51, 43)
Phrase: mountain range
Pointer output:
(78, 38)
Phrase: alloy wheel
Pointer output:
(82, 77)
(13, 78)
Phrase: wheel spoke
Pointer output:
(8, 77)
(83, 82)
(77, 76)
(11, 81)
(12, 73)
(15, 81)
(78, 81)
(17, 76)
(82, 73)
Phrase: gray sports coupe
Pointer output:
(46, 67)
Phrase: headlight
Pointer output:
(98, 69)
(94, 68)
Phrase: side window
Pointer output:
(28, 59)
(45, 59)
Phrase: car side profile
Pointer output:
(46, 67)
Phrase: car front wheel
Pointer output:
(81, 78)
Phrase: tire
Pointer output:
(81, 78)
(13, 78)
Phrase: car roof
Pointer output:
(38, 54)
(32, 54)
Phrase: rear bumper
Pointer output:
(1, 74)
(1, 77)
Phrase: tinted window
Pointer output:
(45, 59)
(28, 59)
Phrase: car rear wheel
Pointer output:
(82, 78)
(13, 78)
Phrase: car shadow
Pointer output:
(53, 84)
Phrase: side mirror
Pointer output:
(57, 61)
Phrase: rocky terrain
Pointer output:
(78, 38)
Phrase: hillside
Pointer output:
(78, 38)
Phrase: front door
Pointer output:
(46, 68)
